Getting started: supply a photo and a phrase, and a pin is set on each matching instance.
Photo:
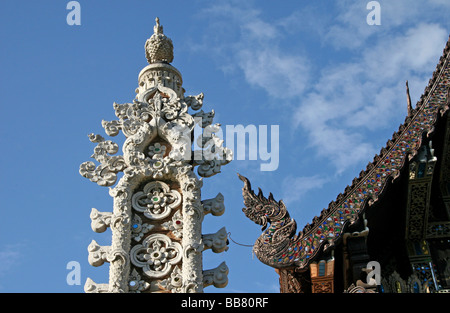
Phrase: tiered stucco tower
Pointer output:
(156, 223)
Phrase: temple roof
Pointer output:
(371, 182)
(365, 189)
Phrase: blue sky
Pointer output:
(334, 84)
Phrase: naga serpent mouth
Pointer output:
(258, 220)
(263, 222)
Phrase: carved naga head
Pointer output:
(260, 209)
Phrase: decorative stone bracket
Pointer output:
(218, 242)
(218, 277)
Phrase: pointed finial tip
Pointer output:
(158, 48)
(157, 29)
(408, 100)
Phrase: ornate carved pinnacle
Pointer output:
(157, 242)
(157, 29)
(159, 47)
(408, 100)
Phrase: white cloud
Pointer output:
(417, 51)
(441, 3)
(280, 75)
(252, 46)
(294, 188)
(339, 108)
(10, 255)
(351, 100)
(256, 28)
(349, 29)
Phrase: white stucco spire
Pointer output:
(156, 224)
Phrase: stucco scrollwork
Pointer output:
(157, 149)
(104, 174)
(195, 102)
(136, 284)
(156, 201)
(139, 229)
(92, 287)
(156, 255)
(175, 282)
(175, 224)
